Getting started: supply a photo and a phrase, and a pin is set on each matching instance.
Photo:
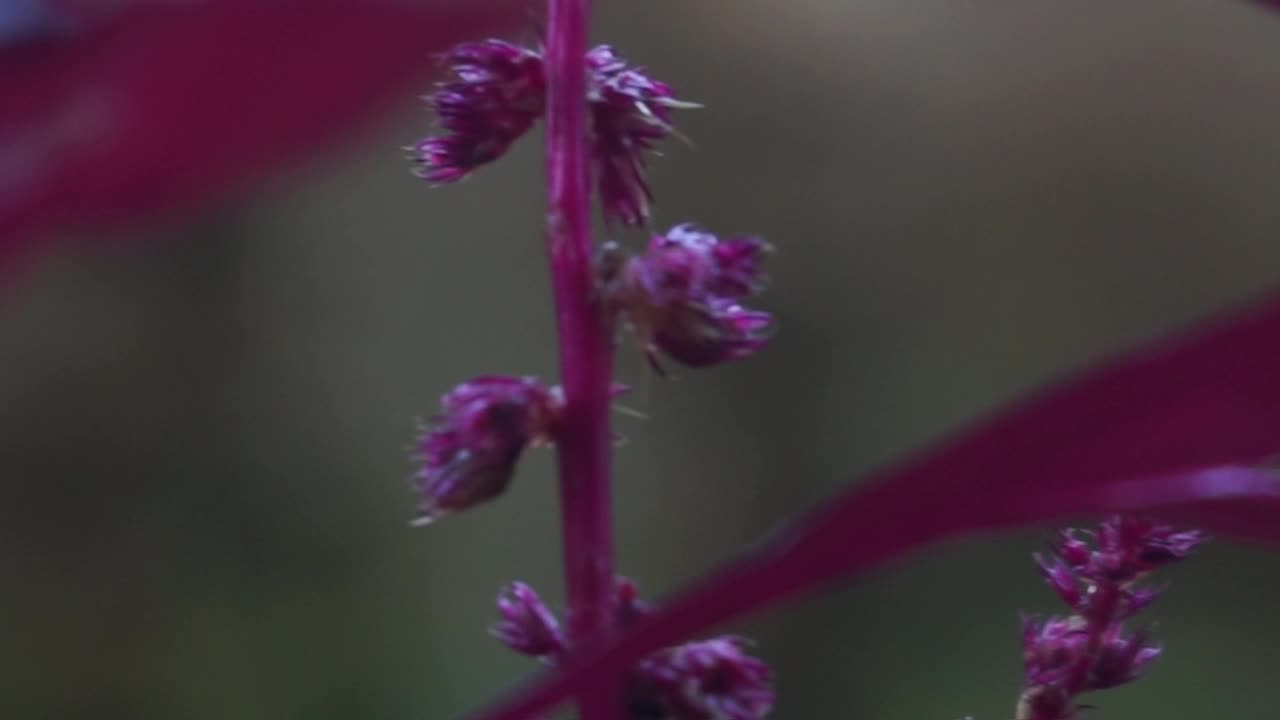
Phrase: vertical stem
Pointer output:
(584, 441)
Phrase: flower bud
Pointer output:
(1051, 647)
(526, 625)
(712, 332)
(469, 451)
(1142, 545)
(497, 93)
(630, 115)
(1121, 659)
(709, 680)
(1063, 581)
(681, 296)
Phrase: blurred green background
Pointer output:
(204, 512)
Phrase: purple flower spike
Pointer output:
(526, 625)
(630, 115)
(1091, 650)
(709, 680)
(681, 297)
(497, 93)
(470, 450)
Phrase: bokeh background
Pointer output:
(203, 506)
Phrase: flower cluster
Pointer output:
(469, 451)
(705, 680)
(498, 91)
(681, 296)
(630, 115)
(1098, 580)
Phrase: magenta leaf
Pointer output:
(117, 110)
(1178, 428)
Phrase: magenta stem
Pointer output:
(584, 440)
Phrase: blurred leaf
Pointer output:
(118, 110)
(1174, 428)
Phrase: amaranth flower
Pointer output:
(526, 624)
(499, 90)
(681, 297)
(708, 680)
(1091, 649)
(630, 115)
(469, 451)
(497, 93)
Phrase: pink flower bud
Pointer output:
(469, 451)
(1059, 576)
(630, 115)
(1121, 659)
(681, 296)
(497, 93)
(712, 332)
(526, 625)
